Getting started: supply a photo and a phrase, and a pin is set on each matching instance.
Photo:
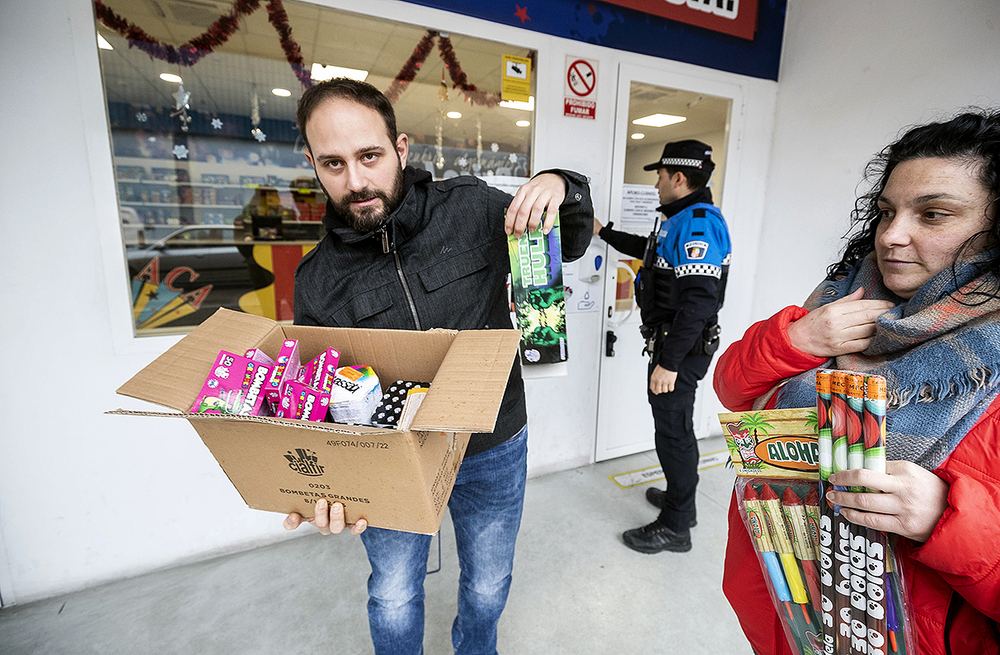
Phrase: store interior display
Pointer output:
(217, 201)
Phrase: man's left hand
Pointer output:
(542, 193)
(662, 380)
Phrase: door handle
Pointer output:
(609, 343)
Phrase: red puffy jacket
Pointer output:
(958, 568)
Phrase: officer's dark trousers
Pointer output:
(676, 444)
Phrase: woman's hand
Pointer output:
(844, 326)
(911, 503)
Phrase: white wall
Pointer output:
(853, 74)
(85, 497)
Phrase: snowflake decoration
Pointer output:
(180, 151)
(495, 147)
(513, 158)
(259, 135)
(463, 162)
(217, 123)
(141, 117)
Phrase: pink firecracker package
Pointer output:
(299, 400)
(286, 368)
(235, 386)
(259, 356)
(321, 370)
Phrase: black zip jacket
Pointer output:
(439, 261)
(684, 305)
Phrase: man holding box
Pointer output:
(679, 289)
(405, 252)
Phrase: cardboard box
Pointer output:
(394, 478)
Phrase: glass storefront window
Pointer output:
(217, 201)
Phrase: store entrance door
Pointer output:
(654, 108)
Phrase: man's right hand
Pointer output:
(597, 227)
(846, 325)
(329, 519)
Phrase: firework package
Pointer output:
(282, 457)
(537, 294)
(834, 584)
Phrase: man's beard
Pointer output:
(366, 219)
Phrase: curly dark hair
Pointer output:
(345, 89)
(972, 136)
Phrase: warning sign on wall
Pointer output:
(581, 87)
(516, 78)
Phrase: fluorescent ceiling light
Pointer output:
(170, 77)
(638, 135)
(281, 93)
(659, 120)
(103, 44)
(523, 123)
(454, 114)
(320, 73)
(517, 104)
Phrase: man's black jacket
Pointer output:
(441, 261)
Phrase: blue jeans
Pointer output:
(485, 508)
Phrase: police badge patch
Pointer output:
(696, 249)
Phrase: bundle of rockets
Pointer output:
(840, 575)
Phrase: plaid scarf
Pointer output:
(941, 358)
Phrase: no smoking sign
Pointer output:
(581, 87)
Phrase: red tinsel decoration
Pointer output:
(460, 79)
(410, 68)
(293, 53)
(218, 33)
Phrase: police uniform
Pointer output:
(680, 289)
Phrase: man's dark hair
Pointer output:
(346, 89)
(696, 178)
(972, 137)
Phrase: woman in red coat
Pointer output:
(915, 298)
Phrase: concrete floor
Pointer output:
(577, 588)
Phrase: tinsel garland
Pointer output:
(460, 79)
(411, 67)
(293, 53)
(218, 33)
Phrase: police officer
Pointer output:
(680, 289)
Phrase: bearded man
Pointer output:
(403, 251)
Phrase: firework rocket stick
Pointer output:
(859, 534)
(823, 423)
(891, 620)
(812, 519)
(825, 519)
(855, 415)
(795, 519)
(838, 420)
(841, 526)
(874, 440)
(783, 544)
(762, 541)
(894, 607)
